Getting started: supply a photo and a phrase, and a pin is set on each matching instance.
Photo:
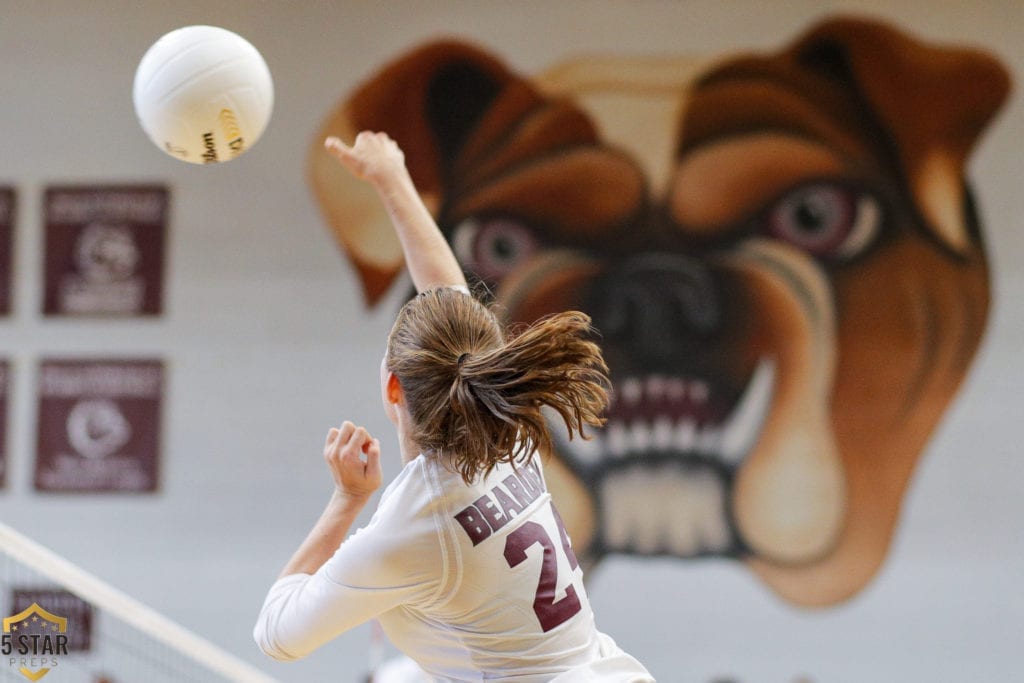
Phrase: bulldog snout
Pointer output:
(654, 304)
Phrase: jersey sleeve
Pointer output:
(395, 560)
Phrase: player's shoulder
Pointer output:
(403, 530)
(410, 494)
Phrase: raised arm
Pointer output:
(377, 159)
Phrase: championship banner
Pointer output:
(99, 425)
(4, 383)
(7, 208)
(104, 250)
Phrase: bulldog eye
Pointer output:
(492, 248)
(826, 220)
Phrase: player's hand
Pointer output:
(373, 156)
(354, 460)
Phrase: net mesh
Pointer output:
(109, 637)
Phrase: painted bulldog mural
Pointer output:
(781, 253)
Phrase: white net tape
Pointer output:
(109, 637)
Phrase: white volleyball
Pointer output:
(203, 94)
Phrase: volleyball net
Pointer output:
(62, 623)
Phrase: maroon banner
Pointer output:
(4, 383)
(99, 425)
(8, 203)
(104, 250)
(62, 603)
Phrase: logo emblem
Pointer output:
(97, 428)
(33, 639)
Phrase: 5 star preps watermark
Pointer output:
(33, 641)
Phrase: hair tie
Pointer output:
(462, 358)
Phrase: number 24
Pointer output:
(550, 612)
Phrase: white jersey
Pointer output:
(472, 582)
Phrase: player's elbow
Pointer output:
(269, 646)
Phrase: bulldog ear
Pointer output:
(935, 101)
(428, 101)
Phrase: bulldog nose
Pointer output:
(655, 304)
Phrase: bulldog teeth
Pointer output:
(661, 415)
(685, 436)
(661, 434)
(616, 440)
(690, 519)
(640, 437)
(631, 391)
(656, 386)
(743, 427)
(675, 388)
(699, 510)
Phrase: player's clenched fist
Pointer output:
(353, 457)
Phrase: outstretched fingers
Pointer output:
(346, 155)
(372, 155)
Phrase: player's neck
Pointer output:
(408, 448)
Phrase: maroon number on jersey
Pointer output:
(550, 612)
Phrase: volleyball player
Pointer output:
(465, 562)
